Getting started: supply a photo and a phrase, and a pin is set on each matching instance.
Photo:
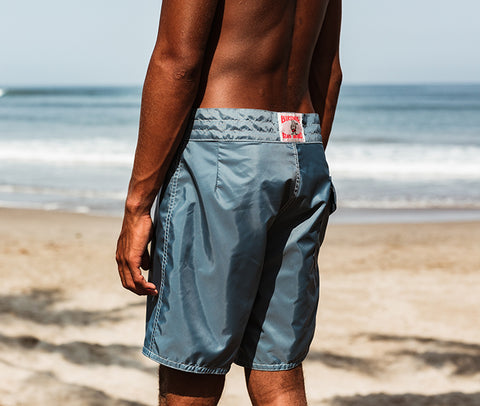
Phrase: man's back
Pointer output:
(260, 52)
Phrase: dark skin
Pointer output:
(279, 55)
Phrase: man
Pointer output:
(229, 139)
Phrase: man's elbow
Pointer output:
(337, 74)
(181, 67)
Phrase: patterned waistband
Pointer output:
(215, 124)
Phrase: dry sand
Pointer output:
(398, 321)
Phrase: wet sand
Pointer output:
(398, 321)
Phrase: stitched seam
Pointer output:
(280, 365)
(218, 164)
(256, 364)
(198, 367)
(171, 203)
(297, 177)
(291, 199)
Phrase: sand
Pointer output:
(398, 322)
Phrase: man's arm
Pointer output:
(169, 91)
(325, 72)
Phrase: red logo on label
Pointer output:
(290, 127)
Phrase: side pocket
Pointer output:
(333, 197)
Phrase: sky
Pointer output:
(109, 42)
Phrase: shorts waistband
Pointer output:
(230, 124)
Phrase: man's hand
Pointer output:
(132, 253)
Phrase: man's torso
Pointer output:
(259, 54)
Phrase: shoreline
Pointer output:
(343, 215)
(394, 215)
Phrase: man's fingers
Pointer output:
(120, 267)
(137, 283)
(132, 278)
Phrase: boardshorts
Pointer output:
(238, 226)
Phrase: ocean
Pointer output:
(392, 147)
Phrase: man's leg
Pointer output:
(276, 388)
(184, 388)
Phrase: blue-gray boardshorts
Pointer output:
(238, 225)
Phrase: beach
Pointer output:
(397, 321)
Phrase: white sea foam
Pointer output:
(404, 162)
(71, 152)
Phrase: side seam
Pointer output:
(166, 236)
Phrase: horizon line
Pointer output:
(139, 85)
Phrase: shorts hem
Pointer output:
(196, 369)
(269, 367)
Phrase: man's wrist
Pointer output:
(135, 207)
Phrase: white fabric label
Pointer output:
(290, 127)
